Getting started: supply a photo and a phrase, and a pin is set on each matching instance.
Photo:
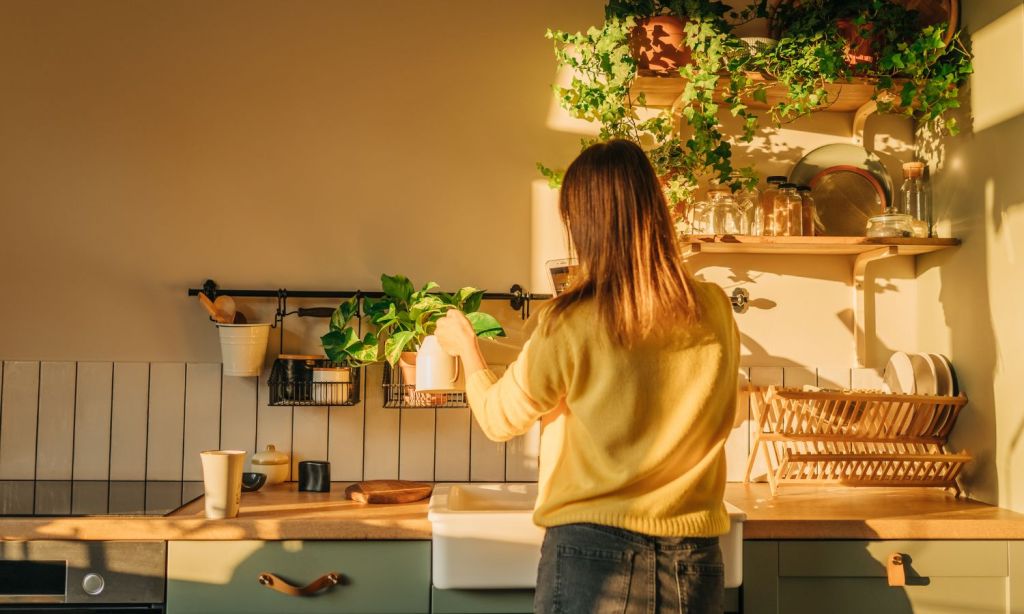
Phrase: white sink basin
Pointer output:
(484, 537)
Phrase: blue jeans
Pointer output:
(594, 569)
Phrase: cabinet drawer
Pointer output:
(377, 576)
(867, 559)
(941, 595)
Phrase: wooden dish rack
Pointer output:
(855, 438)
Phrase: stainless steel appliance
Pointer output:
(86, 577)
(92, 577)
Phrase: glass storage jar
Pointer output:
(787, 212)
(915, 199)
(762, 220)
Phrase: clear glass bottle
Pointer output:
(762, 222)
(915, 199)
(809, 213)
(787, 212)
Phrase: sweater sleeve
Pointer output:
(532, 386)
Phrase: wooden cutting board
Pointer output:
(388, 491)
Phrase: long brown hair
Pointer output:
(623, 234)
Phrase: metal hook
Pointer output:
(740, 300)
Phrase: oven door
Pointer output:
(81, 576)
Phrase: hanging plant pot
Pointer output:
(407, 366)
(658, 44)
(860, 46)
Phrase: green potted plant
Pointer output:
(404, 317)
(605, 69)
(332, 384)
(915, 71)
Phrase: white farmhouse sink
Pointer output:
(484, 537)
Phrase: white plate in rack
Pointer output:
(899, 374)
(943, 375)
(925, 377)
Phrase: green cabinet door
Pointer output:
(849, 577)
(221, 577)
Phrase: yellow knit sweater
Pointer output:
(631, 438)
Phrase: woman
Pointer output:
(632, 373)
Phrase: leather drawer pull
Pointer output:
(896, 570)
(322, 583)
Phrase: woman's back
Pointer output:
(637, 440)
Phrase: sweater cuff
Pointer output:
(479, 383)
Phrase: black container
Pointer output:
(292, 376)
(314, 476)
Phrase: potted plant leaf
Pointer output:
(332, 385)
(404, 317)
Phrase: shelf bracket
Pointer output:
(860, 118)
(865, 300)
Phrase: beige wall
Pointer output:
(970, 298)
(150, 145)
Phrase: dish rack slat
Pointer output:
(855, 438)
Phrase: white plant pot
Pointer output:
(243, 347)
(437, 371)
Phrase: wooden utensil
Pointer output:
(215, 313)
(388, 491)
(226, 305)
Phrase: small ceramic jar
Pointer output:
(272, 463)
(331, 385)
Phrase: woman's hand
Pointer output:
(456, 335)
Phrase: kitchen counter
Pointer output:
(840, 512)
(272, 513)
(797, 512)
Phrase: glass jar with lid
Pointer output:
(762, 222)
(787, 212)
(747, 197)
(809, 211)
(723, 215)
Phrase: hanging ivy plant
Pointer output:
(913, 70)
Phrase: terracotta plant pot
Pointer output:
(860, 42)
(658, 44)
(407, 366)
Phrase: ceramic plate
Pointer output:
(899, 374)
(925, 378)
(943, 375)
(952, 372)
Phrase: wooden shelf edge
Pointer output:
(820, 246)
(662, 91)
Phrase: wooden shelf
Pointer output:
(663, 91)
(810, 246)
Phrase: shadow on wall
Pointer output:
(979, 192)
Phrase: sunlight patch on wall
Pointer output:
(559, 119)
(997, 86)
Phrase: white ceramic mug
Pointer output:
(222, 482)
(436, 370)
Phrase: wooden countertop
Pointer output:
(797, 512)
(818, 512)
(274, 512)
